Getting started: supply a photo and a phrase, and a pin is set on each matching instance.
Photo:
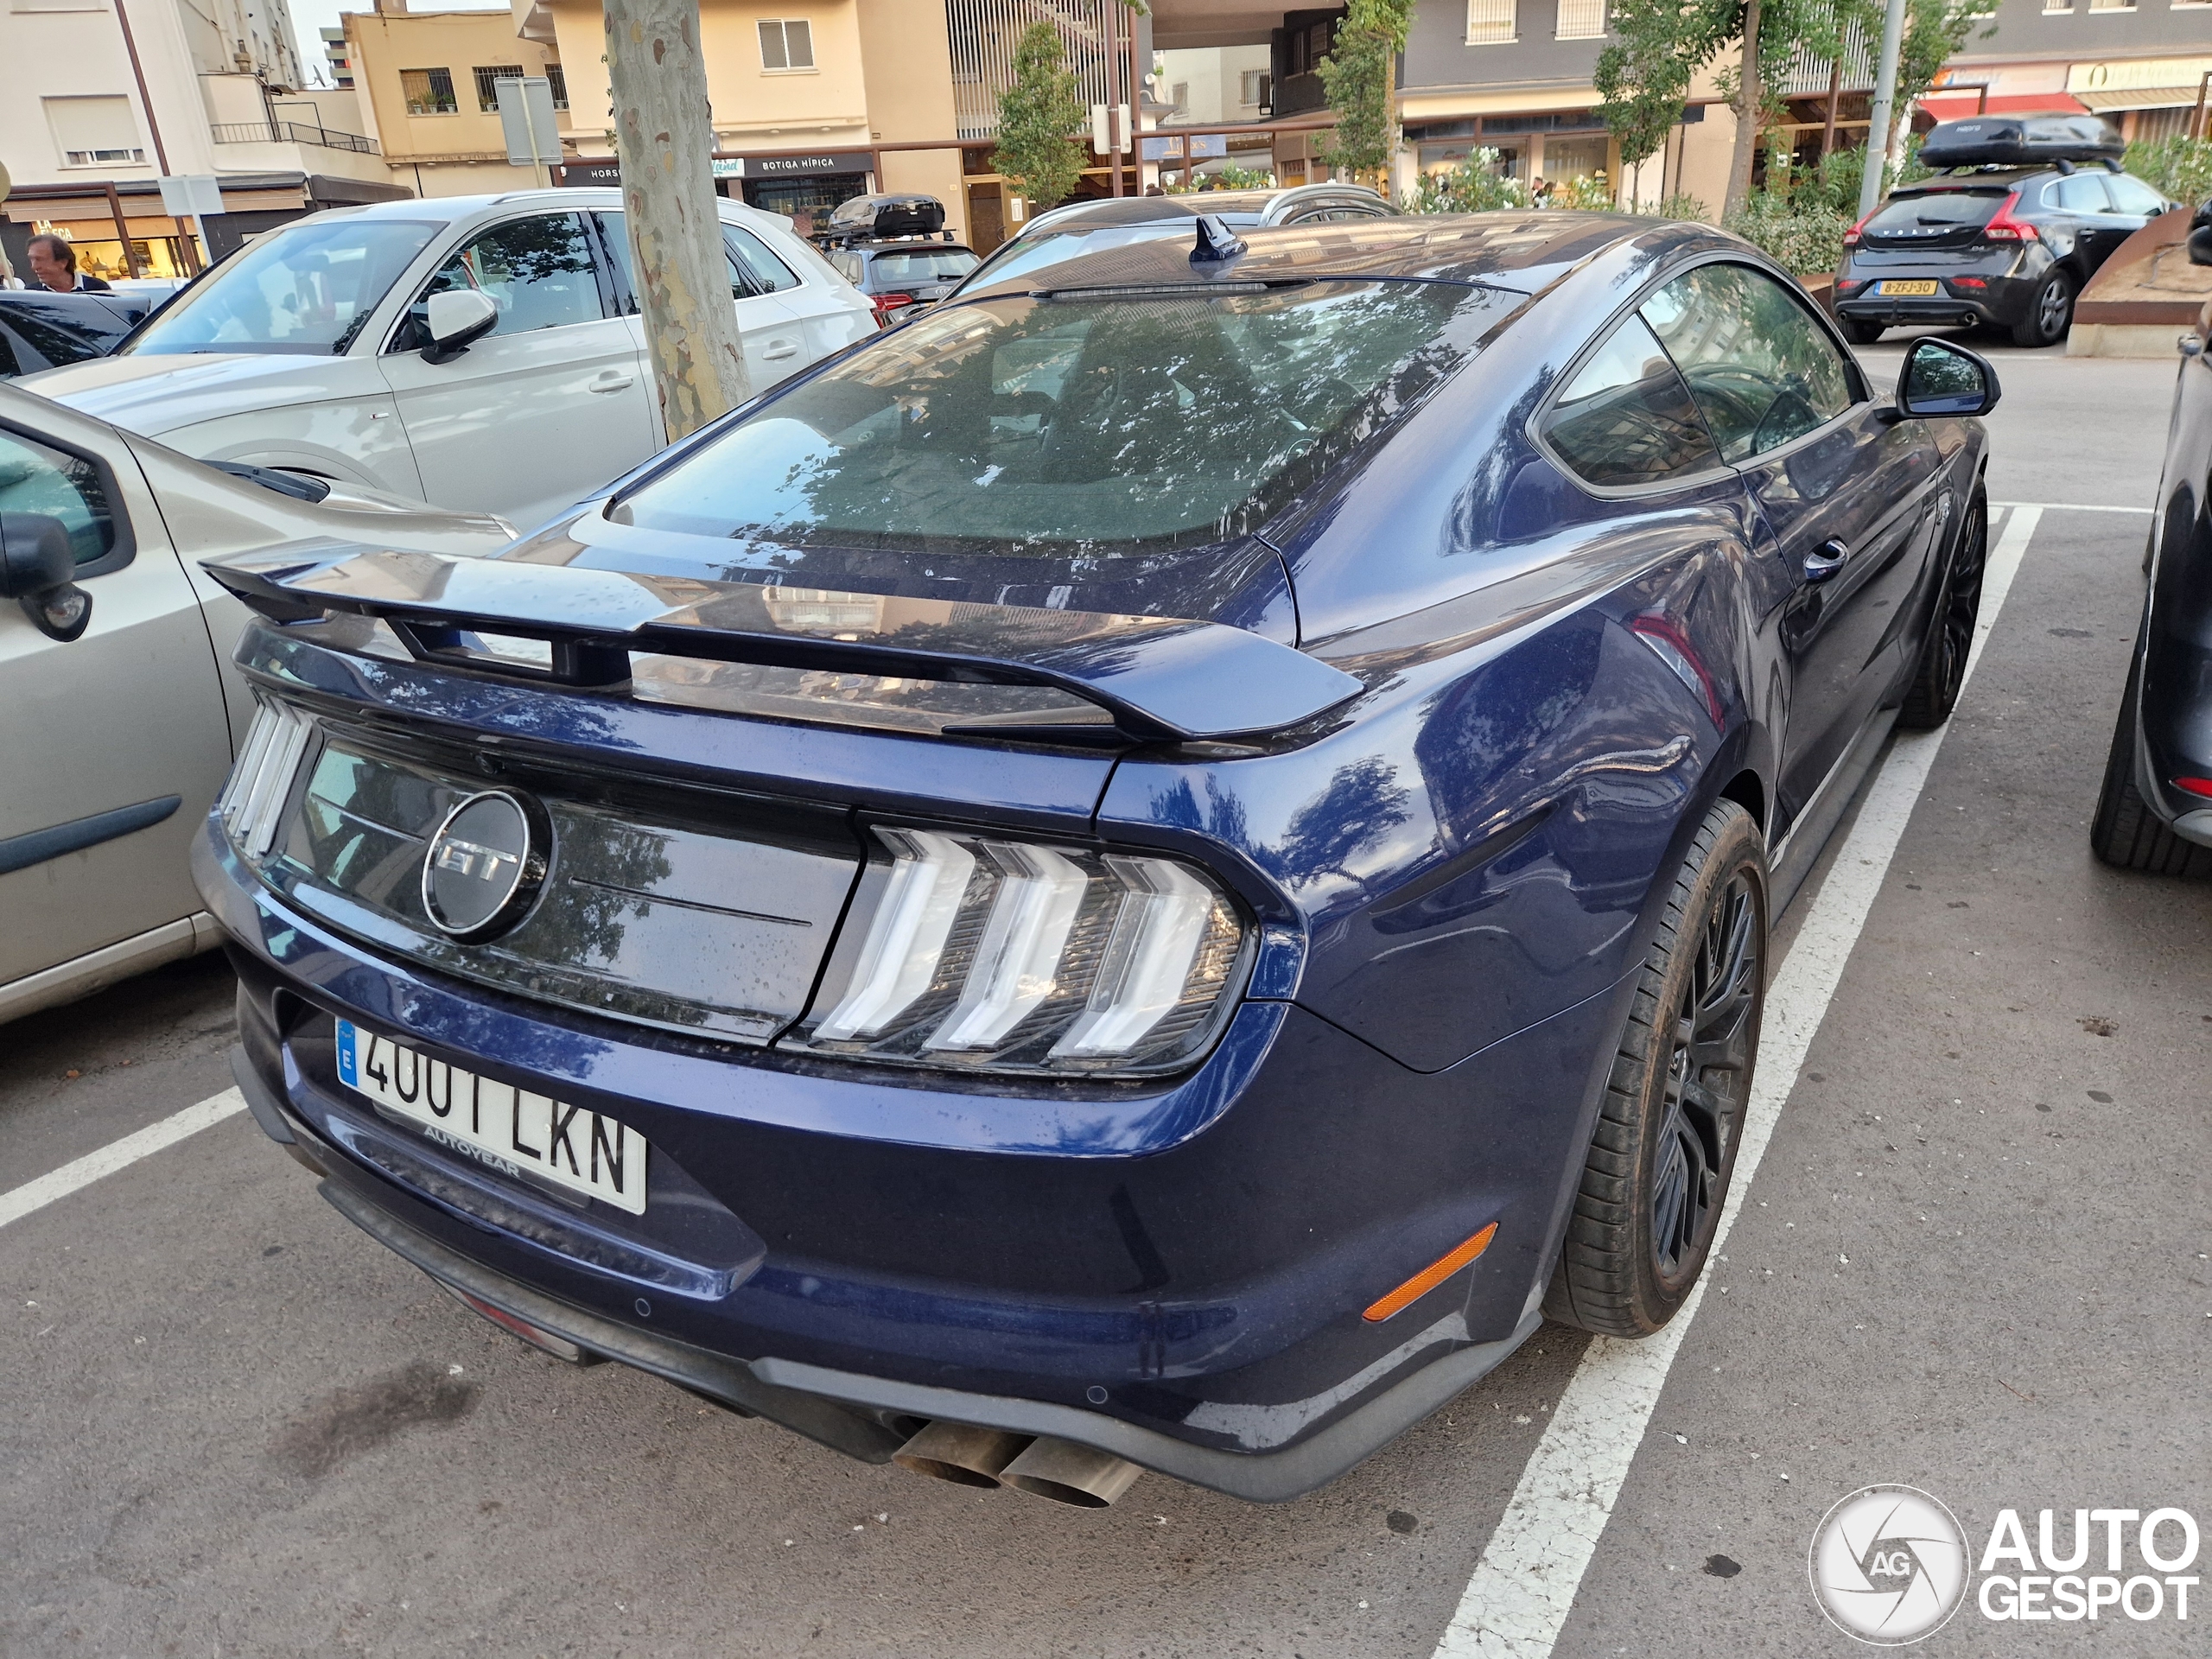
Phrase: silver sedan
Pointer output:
(119, 709)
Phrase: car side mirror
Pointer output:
(1942, 380)
(455, 318)
(36, 563)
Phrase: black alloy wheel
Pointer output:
(1659, 1164)
(1942, 670)
(2050, 313)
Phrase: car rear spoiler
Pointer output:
(1158, 678)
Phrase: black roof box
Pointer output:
(2021, 141)
(887, 215)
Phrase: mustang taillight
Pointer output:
(2003, 227)
(252, 803)
(972, 951)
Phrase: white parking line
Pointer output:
(2074, 506)
(118, 1154)
(1524, 1585)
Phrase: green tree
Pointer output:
(1659, 45)
(1040, 116)
(1360, 79)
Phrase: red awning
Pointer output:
(1956, 105)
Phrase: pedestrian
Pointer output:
(54, 264)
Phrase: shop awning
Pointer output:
(1957, 103)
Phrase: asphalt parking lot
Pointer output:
(1971, 1259)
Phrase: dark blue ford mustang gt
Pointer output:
(1146, 871)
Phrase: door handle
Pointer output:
(779, 349)
(613, 380)
(1832, 557)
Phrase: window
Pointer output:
(93, 131)
(1255, 87)
(428, 92)
(2131, 196)
(753, 269)
(559, 83)
(2112, 5)
(2082, 194)
(1762, 370)
(34, 479)
(924, 265)
(1180, 98)
(537, 270)
(750, 256)
(487, 85)
(1491, 22)
(1052, 429)
(786, 45)
(1581, 20)
(306, 288)
(2060, 8)
(1627, 418)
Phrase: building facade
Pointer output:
(426, 87)
(107, 96)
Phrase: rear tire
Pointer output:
(2050, 314)
(1658, 1170)
(1942, 667)
(2125, 833)
(1861, 334)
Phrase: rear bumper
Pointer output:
(2004, 301)
(1191, 1304)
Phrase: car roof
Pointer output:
(1239, 207)
(1520, 251)
(453, 209)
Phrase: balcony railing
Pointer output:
(291, 132)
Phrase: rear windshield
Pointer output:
(1937, 209)
(941, 265)
(1067, 426)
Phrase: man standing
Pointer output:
(54, 264)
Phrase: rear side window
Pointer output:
(34, 479)
(1626, 417)
(1937, 209)
(750, 255)
(2082, 194)
(1762, 370)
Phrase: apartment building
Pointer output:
(426, 82)
(811, 99)
(107, 96)
(2143, 64)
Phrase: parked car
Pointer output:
(319, 347)
(122, 705)
(1098, 223)
(895, 250)
(41, 329)
(2154, 812)
(1143, 877)
(2007, 237)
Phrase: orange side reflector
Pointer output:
(1432, 1275)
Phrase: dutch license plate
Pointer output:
(1891, 289)
(509, 1129)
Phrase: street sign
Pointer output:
(526, 121)
(186, 195)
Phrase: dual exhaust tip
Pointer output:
(1044, 1467)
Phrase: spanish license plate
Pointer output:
(508, 1128)
(1894, 289)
